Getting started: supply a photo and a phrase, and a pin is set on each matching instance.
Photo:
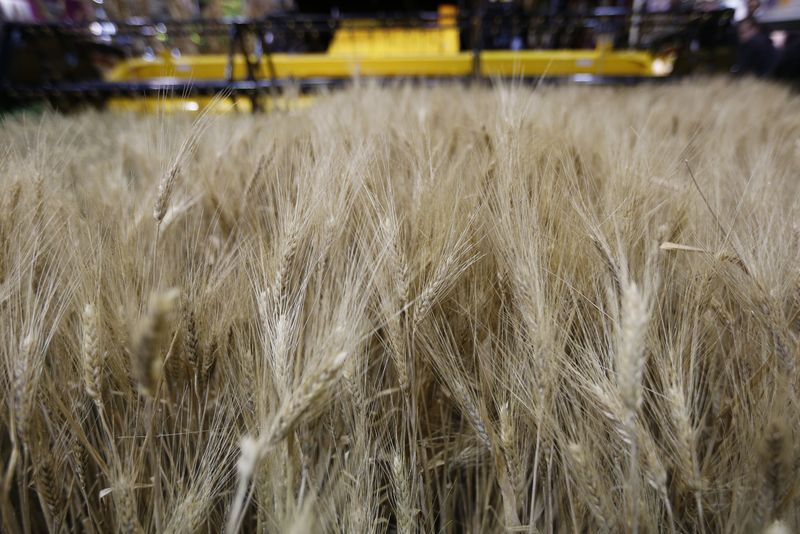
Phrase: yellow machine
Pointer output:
(360, 48)
(598, 62)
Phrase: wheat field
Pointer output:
(447, 309)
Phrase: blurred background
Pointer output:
(82, 10)
(124, 52)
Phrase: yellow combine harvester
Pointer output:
(362, 48)
(258, 64)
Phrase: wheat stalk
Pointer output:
(126, 508)
(23, 387)
(49, 492)
(630, 355)
(776, 470)
(472, 249)
(404, 510)
(508, 442)
(92, 356)
(630, 361)
(306, 398)
(148, 362)
(167, 183)
(586, 476)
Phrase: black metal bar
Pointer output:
(233, 33)
(266, 52)
(241, 38)
(248, 62)
(477, 38)
(164, 87)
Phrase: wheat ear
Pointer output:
(588, 483)
(24, 394)
(92, 356)
(404, 511)
(630, 359)
(306, 398)
(147, 360)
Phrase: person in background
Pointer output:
(756, 54)
(787, 65)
